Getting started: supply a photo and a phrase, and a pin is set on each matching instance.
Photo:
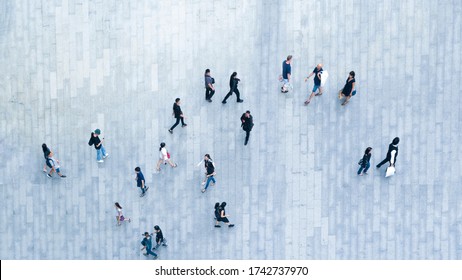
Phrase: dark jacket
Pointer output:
(366, 159)
(247, 122)
(94, 140)
(391, 148)
(233, 83)
(177, 110)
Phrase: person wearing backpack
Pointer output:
(364, 163)
(100, 150)
(147, 244)
(54, 165)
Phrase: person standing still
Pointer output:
(247, 125)
(349, 89)
(209, 87)
(233, 81)
(147, 244)
(164, 156)
(391, 154)
(178, 114)
(100, 150)
(140, 182)
(317, 82)
(120, 216)
(210, 172)
(364, 163)
(286, 74)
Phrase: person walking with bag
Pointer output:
(210, 172)
(164, 157)
(222, 217)
(364, 163)
(233, 81)
(178, 114)
(100, 150)
(209, 87)
(120, 216)
(317, 82)
(349, 89)
(247, 125)
(391, 154)
(140, 182)
(54, 165)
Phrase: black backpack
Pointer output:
(91, 140)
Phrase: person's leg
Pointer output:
(347, 99)
(172, 164)
(207, 93)
(227, 96)
(103, 151)
(382, 162)
(367, 167)
(182, 121)
(320, 90)
(208, 182)
(238, 95)
(150, 252)
(247, 135)
(212, 92)
(159, 162)
(176, 123)
(360, 169)
(98, 155)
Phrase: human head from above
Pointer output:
(137, 169)
(117, 205)
(247, 113)
(206, 157)
(368, 150)
(352, 74)
(207, 71)
(289, 58)
(177, 101)
(319, 66)
(395, 141)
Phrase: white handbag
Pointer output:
(390, 171)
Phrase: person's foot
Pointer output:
(45, 171)
(203, 183)
(155, 257)
(360, 174)
(49, 175)
(377, 166)
(344, 103)
(105, 156)
(307, 102)
(176, 165)
(146, 188)
(217, 226)
(184, 125)
(245, 143)
(129, 220)
(212, 184)
(142, 194)
(230, 225)
(224, 102)
(209, 100)
(165, 245)
(171, 131)
(203, 190)
(62, 176)
(100, 161)
(318, 94)
(240, 101)
(145, 254)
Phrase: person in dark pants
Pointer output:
(349, 89)
(160, 240)
(140, 183)
(147, 244)
(210, 167)
(178, 114)
(100, 150)
(247, 125)
(221, 216)
(391, 154)
(233, 88)
(364, 163)
(209, 87)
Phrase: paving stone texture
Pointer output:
(71, 66)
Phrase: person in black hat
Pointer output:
(147, 244)
(100, 150)
(391, 154)
(247, 125)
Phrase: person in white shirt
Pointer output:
(164, 157)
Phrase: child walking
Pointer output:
(120, 216)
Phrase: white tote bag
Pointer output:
(390, 171)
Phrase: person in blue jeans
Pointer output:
(147, 244)
(210, 172)
(364, 163)
(100, 150)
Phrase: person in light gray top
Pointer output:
(209, 87)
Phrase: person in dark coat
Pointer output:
(364, 163)
(160, 240)
(349, 89)
(233, 81)
(247, 125)
(391, 154)
(178, 114)
(221, 215)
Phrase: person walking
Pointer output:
(164, 157)
(54, 165)
(46, 152)
(391, 154)
(100, 150)
(222, 217)
(147, 244)
(120, 216)
(160, 240)
(349, 89)
(178, 114)
(210, 172)
(317, 82)
(140, 182)
(233, 81)
(247, 125)
(209, 87)
(286, 74)
(364, 163)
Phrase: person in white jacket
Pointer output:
(164, 157)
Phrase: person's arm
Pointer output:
(211, 86)
(222, 213)
(311, 74)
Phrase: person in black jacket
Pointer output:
(100, 150)
(247, 125)
(391, 154)
(220, 215)
(365, 162)
(178, 114)
(160, 240)
(233, 88)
